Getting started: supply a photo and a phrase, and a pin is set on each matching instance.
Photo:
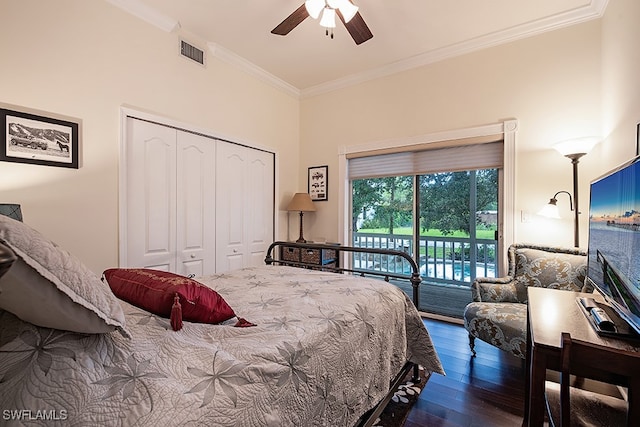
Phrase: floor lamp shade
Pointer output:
(11, 210)
(301, 202)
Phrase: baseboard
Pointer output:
(441, 318)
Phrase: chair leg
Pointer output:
(472, 344)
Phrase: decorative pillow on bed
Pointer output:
(49, 287)
(168, 295)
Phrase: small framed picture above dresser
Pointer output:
(318, 183)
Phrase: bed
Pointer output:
(324, 349)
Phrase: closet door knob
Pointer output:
(193, 256)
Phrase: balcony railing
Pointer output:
(442, 260)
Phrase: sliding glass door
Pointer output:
(383, 217)
(447, 221)
(458, 214)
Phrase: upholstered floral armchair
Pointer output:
(498, 313)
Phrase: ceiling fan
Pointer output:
(344, 9)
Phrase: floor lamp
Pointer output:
(574, 149)
(302, 203)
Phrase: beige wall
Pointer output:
(572, 82)
(549, 83)
(620, 83)
(86, 59)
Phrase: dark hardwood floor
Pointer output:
(487, 390)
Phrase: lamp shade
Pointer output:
(576, 145)
(550, 210)
(314, 7)
(328, 19)
(347, 9)
(301, 202)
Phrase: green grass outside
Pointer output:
(408, 231)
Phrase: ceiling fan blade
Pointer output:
(357, 28)
(291, 21)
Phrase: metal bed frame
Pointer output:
(369, 418)
(7, 258)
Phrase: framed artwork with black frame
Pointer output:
(39, 140)
(318, 183)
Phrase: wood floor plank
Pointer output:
(486, 390)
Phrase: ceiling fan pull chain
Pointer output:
(326, 32)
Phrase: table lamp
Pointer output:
(301, 202)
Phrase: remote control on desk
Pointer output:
(603, 321)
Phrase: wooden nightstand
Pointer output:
(311, 257)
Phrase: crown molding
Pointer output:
(594, 10)
(148, 14)
(252, 69)
(168, 24)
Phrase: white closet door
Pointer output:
(151, 196)
(231, 193)
(245, 206)
(194, 205)
(196, 208)
(261, 205)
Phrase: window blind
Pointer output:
(450, 159)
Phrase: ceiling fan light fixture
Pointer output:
(348, 13)
(328, 18)
(314, 7)
(347, 9)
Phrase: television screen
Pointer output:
(614, 239)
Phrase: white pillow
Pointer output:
(49, 287)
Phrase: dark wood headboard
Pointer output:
(414, 277)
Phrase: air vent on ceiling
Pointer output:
(189, 51)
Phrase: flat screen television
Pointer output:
(614, 240)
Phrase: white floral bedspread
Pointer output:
(323, 352)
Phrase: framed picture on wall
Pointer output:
(39, 140)
(318, 183)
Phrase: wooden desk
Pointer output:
(551, 312)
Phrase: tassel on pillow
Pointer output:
(176, 314)
(243, 323)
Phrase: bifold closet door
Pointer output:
(151, 196)
(196, 204)
(170, 203)
(245, 206)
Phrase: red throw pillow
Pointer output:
(168, 295)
